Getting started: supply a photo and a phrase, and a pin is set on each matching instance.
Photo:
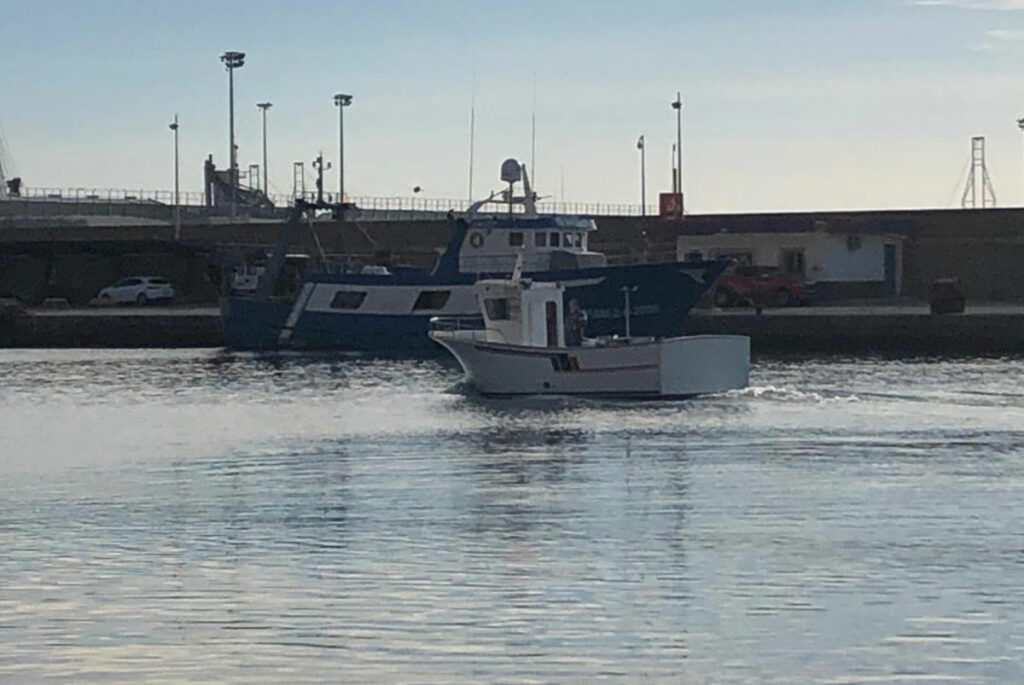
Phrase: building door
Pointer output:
(551, 315)
(791, 261)
(890, 270)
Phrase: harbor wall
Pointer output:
(73, 258)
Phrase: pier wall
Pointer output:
(73, 257)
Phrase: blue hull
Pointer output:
(661, 295)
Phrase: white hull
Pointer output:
(675, 367)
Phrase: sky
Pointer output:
(788, 104)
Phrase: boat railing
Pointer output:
(466, 326)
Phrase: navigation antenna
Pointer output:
(978, 182)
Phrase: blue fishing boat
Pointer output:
(388, 309)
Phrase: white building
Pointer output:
(838, 263)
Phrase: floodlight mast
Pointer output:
(232, 60)
(264, 106)
(1020, 123)
(341, 101)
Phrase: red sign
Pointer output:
(671, 205)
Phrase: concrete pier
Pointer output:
(910, 330)
(116, 327)
(900, 330)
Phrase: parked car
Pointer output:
(758, 285)
(139, 290)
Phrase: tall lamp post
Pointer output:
(264, 106)
(177, 205)
(643, 177)
(341, 101)
(1020, 123)
(678, 107)
(232, 61)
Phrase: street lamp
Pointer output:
(264, 106)
(678, 107)
(643, 177)
(177, 205)
(1020, 124)
(232, 61)
(341, 101)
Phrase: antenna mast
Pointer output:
(533, 132)
(978, 182)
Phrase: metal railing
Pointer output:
(369, 203)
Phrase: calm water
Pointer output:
(198, 516)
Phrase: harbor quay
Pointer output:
(53, 266)
(984, 329)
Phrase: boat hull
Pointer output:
(677, 367)
(387, 319)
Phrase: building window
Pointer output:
(497, 308)
(554, 240)
(540, 239)
(515, 239)
(432, 299)
(348, 299)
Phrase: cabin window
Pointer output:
(497, 308)
(694, 256)
(540, 239)
(570, 240)
(515, 239)
(554, 240)
(432, 299)
(348, 299)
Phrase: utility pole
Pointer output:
(678, 107)
(1020, 124)
(264, 106)
(342, 101)
(643, 177)
(177, 204)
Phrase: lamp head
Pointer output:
(233, 60)
(342, 100)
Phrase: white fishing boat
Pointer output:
(532, 344)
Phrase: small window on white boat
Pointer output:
(432, 299)
(515, 239)
(568, 240)
(348, 299)
(554, 240)
(497, 308)
(540, 239)
(694, 256)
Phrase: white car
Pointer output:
(139, 290)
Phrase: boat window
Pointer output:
(348, 299)
(569, 240)
(554, 240)
(515, 239)
(540, 239)
(694, 256)
(497, 308)
(432, 299)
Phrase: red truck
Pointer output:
(742, 285)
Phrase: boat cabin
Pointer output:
(520, 312)
(546, 243)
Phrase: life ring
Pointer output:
(476, 239)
